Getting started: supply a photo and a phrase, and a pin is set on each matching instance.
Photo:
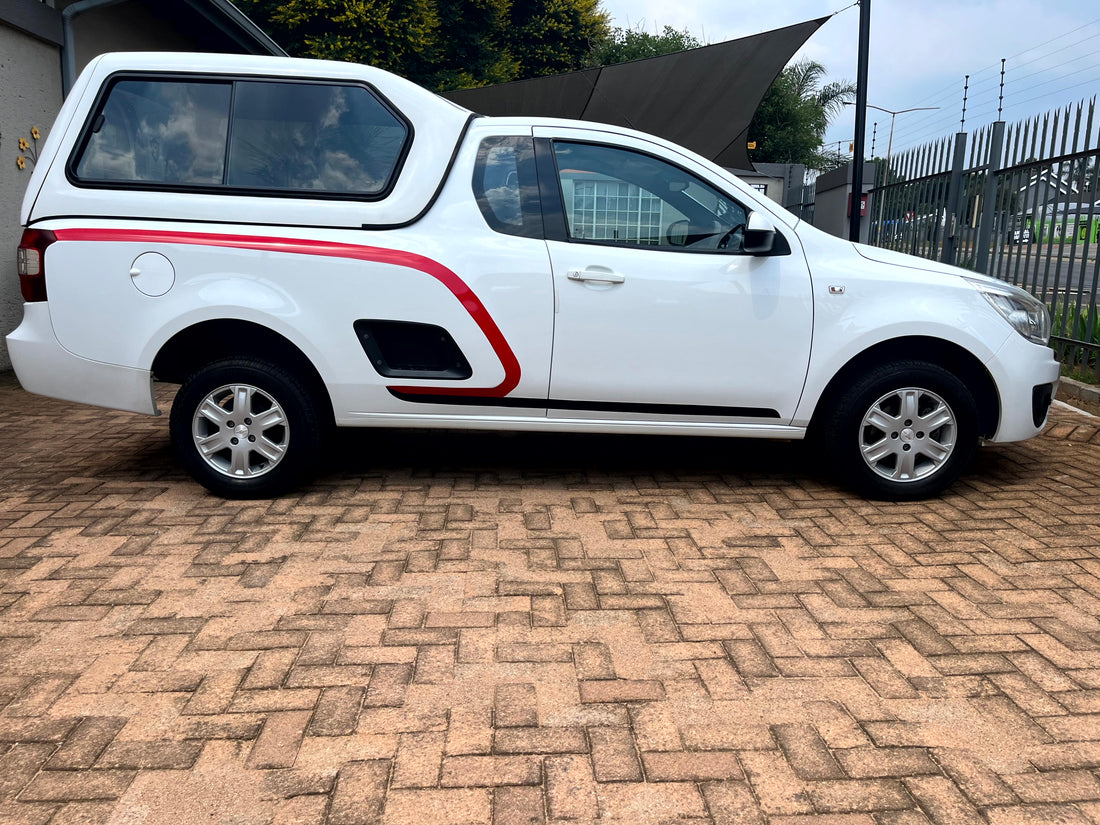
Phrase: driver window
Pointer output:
(619, 196)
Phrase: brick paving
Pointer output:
(482, 628)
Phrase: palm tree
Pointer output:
(790, 124)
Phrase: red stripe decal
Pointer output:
(330, 249)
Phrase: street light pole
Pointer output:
(889, 149)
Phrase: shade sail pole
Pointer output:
(861, 119)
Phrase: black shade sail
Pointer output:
(703, 98)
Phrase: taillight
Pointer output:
(31, 258)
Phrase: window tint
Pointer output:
(619, 196)
(298, 136)
(506, 186)
(156, 132)
(285, 137)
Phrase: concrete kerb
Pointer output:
(1071, 388)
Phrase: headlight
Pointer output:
(1023, 311)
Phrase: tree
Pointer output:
(790, 123)
(621, 45)
(1082, 174)
(440, 44)
(470, 48)
(554, 36)
(390, 35)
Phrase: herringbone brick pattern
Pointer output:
(465, 628)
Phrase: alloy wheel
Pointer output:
(908, 434)
(240, 431)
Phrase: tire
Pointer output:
(269, 449)
(903, 431)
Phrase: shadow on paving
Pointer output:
(128, 447)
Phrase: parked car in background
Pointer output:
(300, 244)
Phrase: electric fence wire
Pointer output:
(935, 124)
(951, 88)
(921, 125)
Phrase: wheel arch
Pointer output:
(208, 341)
(946, 354)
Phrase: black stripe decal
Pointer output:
(587, 406)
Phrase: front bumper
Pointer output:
(1024, 373)
(44, 367)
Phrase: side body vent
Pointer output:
(405, 349)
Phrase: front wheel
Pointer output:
(246, 428)
(903, 431)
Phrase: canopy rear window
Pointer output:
(311, 139)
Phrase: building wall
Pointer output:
(831, 201)
(793, 180)
(768, 185)
(30, 95)
(125, 27)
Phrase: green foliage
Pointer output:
(553, 36)
(790, 124)
(468, 48)
(385, 34)
(1078, 323)
(440, 44)
(621, 45)
(1082, 374)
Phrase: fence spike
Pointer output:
(1088, 126)
(1031, 189)
(1077, 126)
(1065, 130)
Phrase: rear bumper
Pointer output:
(44, 367)
(1024, 373)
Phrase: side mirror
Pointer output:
(759, 235)
(677, 234)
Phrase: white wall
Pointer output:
(831, 201)
(30, 95)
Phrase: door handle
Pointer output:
(603, 276)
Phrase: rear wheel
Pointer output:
(246, 428)
(904, 431)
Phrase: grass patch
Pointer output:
(1079, 324)
(1078, 374)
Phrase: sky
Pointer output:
(919, 55)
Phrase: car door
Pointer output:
(660, 313)
(484, 239)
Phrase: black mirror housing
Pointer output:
(762, 238)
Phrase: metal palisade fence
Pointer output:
(1019, 202)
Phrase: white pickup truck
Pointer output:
(303, 244)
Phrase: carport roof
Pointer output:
(237, 24)
(703, 98)
(225, 18)
(226, 26)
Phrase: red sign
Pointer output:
(862, 205)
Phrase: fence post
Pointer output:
(989, 197)
(954, 200)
